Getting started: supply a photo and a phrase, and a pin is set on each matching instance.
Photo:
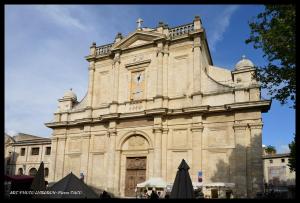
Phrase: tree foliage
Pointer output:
(292, 159)
(274, 32)
(270, 149)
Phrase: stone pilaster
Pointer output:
(117, 172)
(256, 171)
(159, 87)
(165, 73)
(197, 71)
(53, 158)
(196, 166)
(164, 143)
(157, 151)
(157, 130)
(116, 62)
(85, 146)
(60, 158)
(240, 160)
(112, 133)
(91, 83)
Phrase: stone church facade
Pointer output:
(154, 98)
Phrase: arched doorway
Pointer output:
(32, 171)
(20, 171)
(135, 150)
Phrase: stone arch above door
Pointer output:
(135, 140)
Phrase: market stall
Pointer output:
(153, 183)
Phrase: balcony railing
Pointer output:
(104, 49)
(181, 30)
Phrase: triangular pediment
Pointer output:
(138, 38)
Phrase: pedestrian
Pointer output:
(104, 195)
(154, 195)
(145, 195)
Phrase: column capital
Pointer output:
(86, 136)
(160, 51)
(62, 138)
(165, 130)
(117, 59)
(157, 129)
(240, 126)
(54, 139)
(255, 125)
(197, 128)
(111, 132)
(91, 68)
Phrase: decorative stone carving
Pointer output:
(136, 141)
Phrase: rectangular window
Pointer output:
(282, 160)
(22, 152)
(35, 151)
(48, 151)
(271, 161)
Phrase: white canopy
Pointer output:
(219, 184)
(153, 182)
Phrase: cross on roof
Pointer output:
(139, 22)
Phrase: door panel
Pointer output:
(135, 173)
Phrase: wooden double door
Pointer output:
(135, 173)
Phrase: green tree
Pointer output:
(292, 159)
(270, 149)
(273, 31)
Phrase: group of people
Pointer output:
(152, 195)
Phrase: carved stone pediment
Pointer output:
(138, 38)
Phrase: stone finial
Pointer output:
(197, 23)
(243, 56)
(139, 23)
(160, 24)
(118, 37)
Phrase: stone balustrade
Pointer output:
(181, 30)
(104, 49)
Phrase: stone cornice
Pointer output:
(196, 128)
(255, 125)
(263, 105)
(243, 70)
(240, 126)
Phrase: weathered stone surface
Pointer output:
(159, 96)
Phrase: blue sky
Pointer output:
(45, 47)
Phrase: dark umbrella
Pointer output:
(182, 187)
(38, 183)
(71, 187)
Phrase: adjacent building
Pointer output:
(154, 98)
(277, 174)
(24, 153)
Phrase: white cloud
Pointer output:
(45, 61)
(61, 15)
(221, 23)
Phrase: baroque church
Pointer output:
(154, 98)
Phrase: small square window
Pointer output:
(22, 151)
(282, 160)
(35, 151)
(271, 161)
(48, 151)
